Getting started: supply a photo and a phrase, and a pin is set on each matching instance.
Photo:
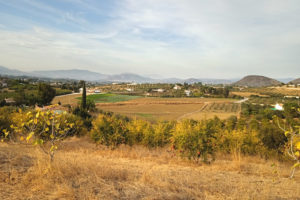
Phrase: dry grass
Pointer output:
(66, 99)
(83, 171)
(248, 94)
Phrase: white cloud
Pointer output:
(214, 38)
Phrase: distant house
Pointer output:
(4, 84)
(10, 101)
(132, 84)
(158, 90)
(177, 87)
(187, 92)
(129, 89)
(80, 90)
(278, 106)
(97, 91)
(297, 97)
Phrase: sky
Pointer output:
(159, 38)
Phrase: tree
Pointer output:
(293, 144)
(83, 100)
(43, 127)
(45, 93)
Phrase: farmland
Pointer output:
(110, 98)
(174, 108)
(153, 108)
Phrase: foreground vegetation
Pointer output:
(81, 170)
(183, 149)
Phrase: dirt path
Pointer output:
(191, 113)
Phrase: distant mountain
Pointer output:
(12, 72)
(285, 80)
(76, 74)
(208, 81)
(257, 81)
(168, 80)
(296, 81)
(128, 77)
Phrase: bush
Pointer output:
(5, 119)
(194, 140)
(110, 131)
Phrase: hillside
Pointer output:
(83, 171)
(256, 81)
(79, 74)
(11, 72)
(72, 74)
(296, 81)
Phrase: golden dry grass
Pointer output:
(66, 99)
(83, 171)
(248, 94)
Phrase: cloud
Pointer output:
(214, 38)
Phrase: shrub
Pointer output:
(194, 140)
(40, 127)
(109, 130)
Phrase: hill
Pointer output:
(76, 74)
(296, 81)
(11, 72)
(129, 77)
(257, 81)
(81, 170)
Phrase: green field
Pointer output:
(109, 98)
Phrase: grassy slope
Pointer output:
(83, 171)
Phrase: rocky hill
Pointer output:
(256, 81)
(296, 81)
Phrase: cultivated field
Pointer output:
(153, 109)
(288, 91)
(83, 171)
(174, 108)
(66, 99)
(248, 94)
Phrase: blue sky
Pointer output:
(169, 38)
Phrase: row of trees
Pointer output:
(42, 94)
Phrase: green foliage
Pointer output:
(271, 136)
(194, 139)
(110, 98)
(83, 98)
(109, 131)
(59, 91)
(5, 121)
(40, 127)
(45, 93)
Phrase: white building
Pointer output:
(278, 106)
(158, 90)
(177, 87)
(132, 84)
(4, 85)
(187, 92)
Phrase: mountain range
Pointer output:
(87, 75)
(77, 74)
